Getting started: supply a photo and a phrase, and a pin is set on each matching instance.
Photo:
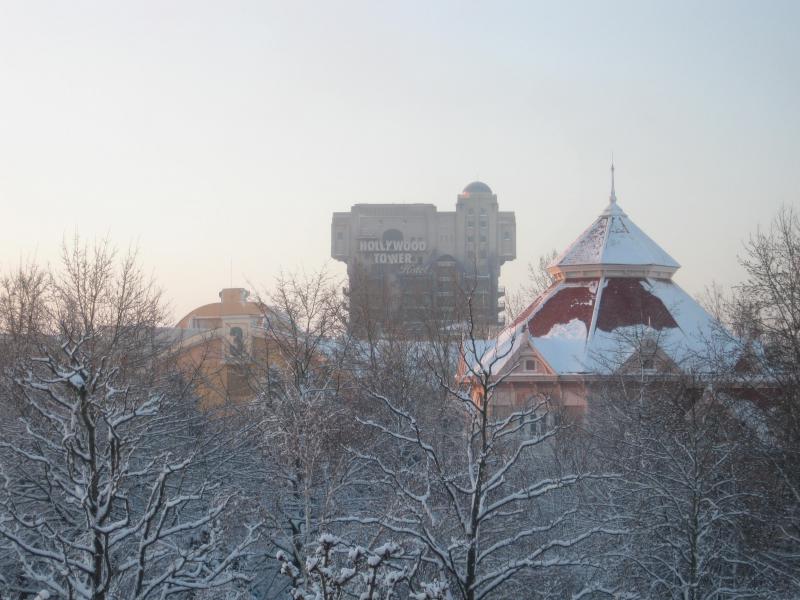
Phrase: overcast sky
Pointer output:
(211, 132)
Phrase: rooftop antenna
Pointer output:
(613, 197)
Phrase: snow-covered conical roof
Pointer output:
(613, 246)
(584, 325)
(613, 285)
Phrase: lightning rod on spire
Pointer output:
(613, 197)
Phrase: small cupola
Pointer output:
(613, 246)
(234, 295)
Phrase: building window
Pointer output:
(203, 323)
(470, 238)
(483, 237)
(501, 412)
(482, 223)
(237, 340)
(483, 210)
(339, 235)
(470, 211)
(530, 364)
(506, 235)
(538, 426)
(648, 364)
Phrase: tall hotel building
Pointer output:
(409, 263)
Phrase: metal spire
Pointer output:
(613, 197)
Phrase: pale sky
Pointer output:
(211, 132)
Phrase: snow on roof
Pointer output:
(492, 356)
(585, 326)
(696, 325)
(561, 303)
(629, 302)
(563, 347)
(592, 318)
(626, 311)
(560, 326)
(570, 299)
(588, 248)
(613, 239)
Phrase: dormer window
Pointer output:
(530, 364)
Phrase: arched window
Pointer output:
(392, 235)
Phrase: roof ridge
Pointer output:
(560, 258)
(606, 234)
(598, 298)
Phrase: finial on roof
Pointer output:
(613, 197)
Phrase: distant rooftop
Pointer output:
(477, 187)
(233, 302)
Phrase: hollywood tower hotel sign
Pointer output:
(407, 261)
(395, 252)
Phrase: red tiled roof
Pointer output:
(566, 304)
(523, 316)
(625, 302)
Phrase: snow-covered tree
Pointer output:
(298, 468)
(108, 483)
(538, 280)
(477, 490)
(761, 318)
(687, 494)
(337, 570)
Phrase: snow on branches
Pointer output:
(107, 486)
(365, 574)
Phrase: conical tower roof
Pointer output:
(613, 285)
(613, 246)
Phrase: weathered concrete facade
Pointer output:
(409, 262)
